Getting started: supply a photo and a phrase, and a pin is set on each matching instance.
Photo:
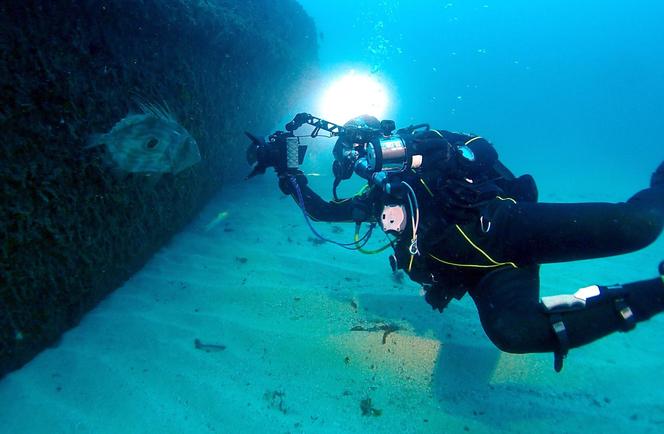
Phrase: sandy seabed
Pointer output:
(244, 324)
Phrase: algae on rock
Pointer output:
(70, 232)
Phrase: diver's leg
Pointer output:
(517, 322)
(551, 232)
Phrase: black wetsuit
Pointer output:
(482, 231)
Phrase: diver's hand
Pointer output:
(285, 184)
(437, 297)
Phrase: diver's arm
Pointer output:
(355, 209)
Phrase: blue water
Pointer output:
(567, 90)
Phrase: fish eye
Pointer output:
(151, 143)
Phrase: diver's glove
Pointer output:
(285, 184)
(437, 297)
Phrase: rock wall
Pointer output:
(71, 230)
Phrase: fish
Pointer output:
(208, 348)
(149, 142)
(215, 221)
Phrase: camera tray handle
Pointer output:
(318, 124)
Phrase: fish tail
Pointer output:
(94, 140)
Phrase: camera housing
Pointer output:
(375, 154)
(282, 151)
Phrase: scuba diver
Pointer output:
(460, 222)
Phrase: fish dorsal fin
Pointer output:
(161, 111)
(127, 122)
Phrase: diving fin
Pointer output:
(657, 178)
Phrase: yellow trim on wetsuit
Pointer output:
(482, 251)
(493, 264)
(426, 186)
(455, 264)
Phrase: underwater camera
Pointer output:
(365, 147)
(282, 151)
(369, 149)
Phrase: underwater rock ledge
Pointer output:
(71, 230)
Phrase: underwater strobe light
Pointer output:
(353, 94)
